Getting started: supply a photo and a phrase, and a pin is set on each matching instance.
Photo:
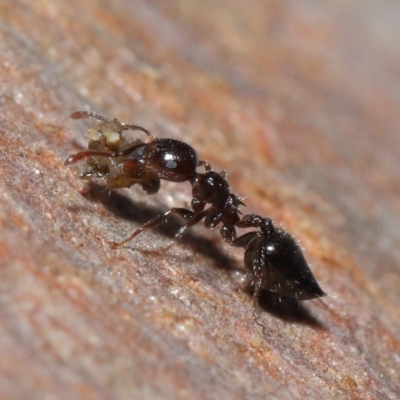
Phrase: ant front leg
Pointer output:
(88, 153)
(97, 153)
(184, 213)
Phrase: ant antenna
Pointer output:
(89, 114)
(121, 125)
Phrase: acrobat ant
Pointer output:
(274, 261)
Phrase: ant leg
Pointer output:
(88, 153)
(256, 296)
(228, 234)
(244, 240)
(187, 215)
(251, 221)
(193, 221)
(254, 274)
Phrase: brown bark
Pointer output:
(299, 104)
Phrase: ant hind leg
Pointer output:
(256, 297)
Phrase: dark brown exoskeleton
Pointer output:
(274, 261)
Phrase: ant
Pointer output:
(274, 261)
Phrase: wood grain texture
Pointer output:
(299, 103)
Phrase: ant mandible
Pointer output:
(274, 261)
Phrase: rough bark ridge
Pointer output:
(299, 104)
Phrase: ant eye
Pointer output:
(270, 248)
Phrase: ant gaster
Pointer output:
(274, 261)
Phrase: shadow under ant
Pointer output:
(124, 207)
(285, 308)
(288, 309)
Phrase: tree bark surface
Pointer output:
(299, 103)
